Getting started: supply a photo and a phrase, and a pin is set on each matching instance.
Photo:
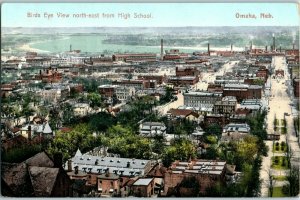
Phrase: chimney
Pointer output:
(208, 50)
(57, 157)
(69, 165)
(266, 48)
(76, 170)
(70, 47)
(128, 164)
(40, 71)
(231, 48)
(251, 46)
(107, 172)
(274, 46)
(29, 132)
(161, 49)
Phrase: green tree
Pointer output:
(94, 99)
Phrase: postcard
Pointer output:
(150, 100)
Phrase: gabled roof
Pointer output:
(78, 153)
(43, 180)
(40, 160)
(47, 129)
(183, 112)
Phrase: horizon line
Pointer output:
(142, 26)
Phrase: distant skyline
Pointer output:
(162, 14)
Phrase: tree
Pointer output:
(94, 99)
(270, 182)
(67, 113)
(293, 179)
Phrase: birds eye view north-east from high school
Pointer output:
(176, 100)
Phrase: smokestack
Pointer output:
(293, 45)
(266, 48)
(208, 50)
(274, 47)
(161, 49)
(231, 47)
(70, 47)
(251, 46)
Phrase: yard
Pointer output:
(277, 192)
(279, 162)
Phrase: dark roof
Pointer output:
(40, 160)
(183, 112)
(43, 180)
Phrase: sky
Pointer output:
(162, 14)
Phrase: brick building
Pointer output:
(134, 57)
(49, 75)
(243, 91)
(187, 71)
(206, 172)
(143, 187)
(159, 79)
(183, 80)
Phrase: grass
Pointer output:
(279, 166)
(277, 122)
(280, 178)
(277, 192)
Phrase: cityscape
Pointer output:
(150, 111)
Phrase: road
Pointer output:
(279, 103)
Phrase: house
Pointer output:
(81, 109)
(150, 129)
(124, 94)
(108, 184)
(234, 127)
(184, 114)
(143, 187)
(38, 176)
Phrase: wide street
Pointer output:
(279, 104)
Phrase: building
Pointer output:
(134, 57)
(243, 91)
(6, 90)
(227, 105)
(234, 127)
(184, 114)
(107, 91)
(105, 174)
(150, 129)
(143, 187)
(183, 80)
(159, 79)
(296, 87)
(49, 75)
(137, 84)
(81, 109)
(187, 71)
(124, 94)
(206, 172)
(55, 93)
(38, 176)
(200, 99)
